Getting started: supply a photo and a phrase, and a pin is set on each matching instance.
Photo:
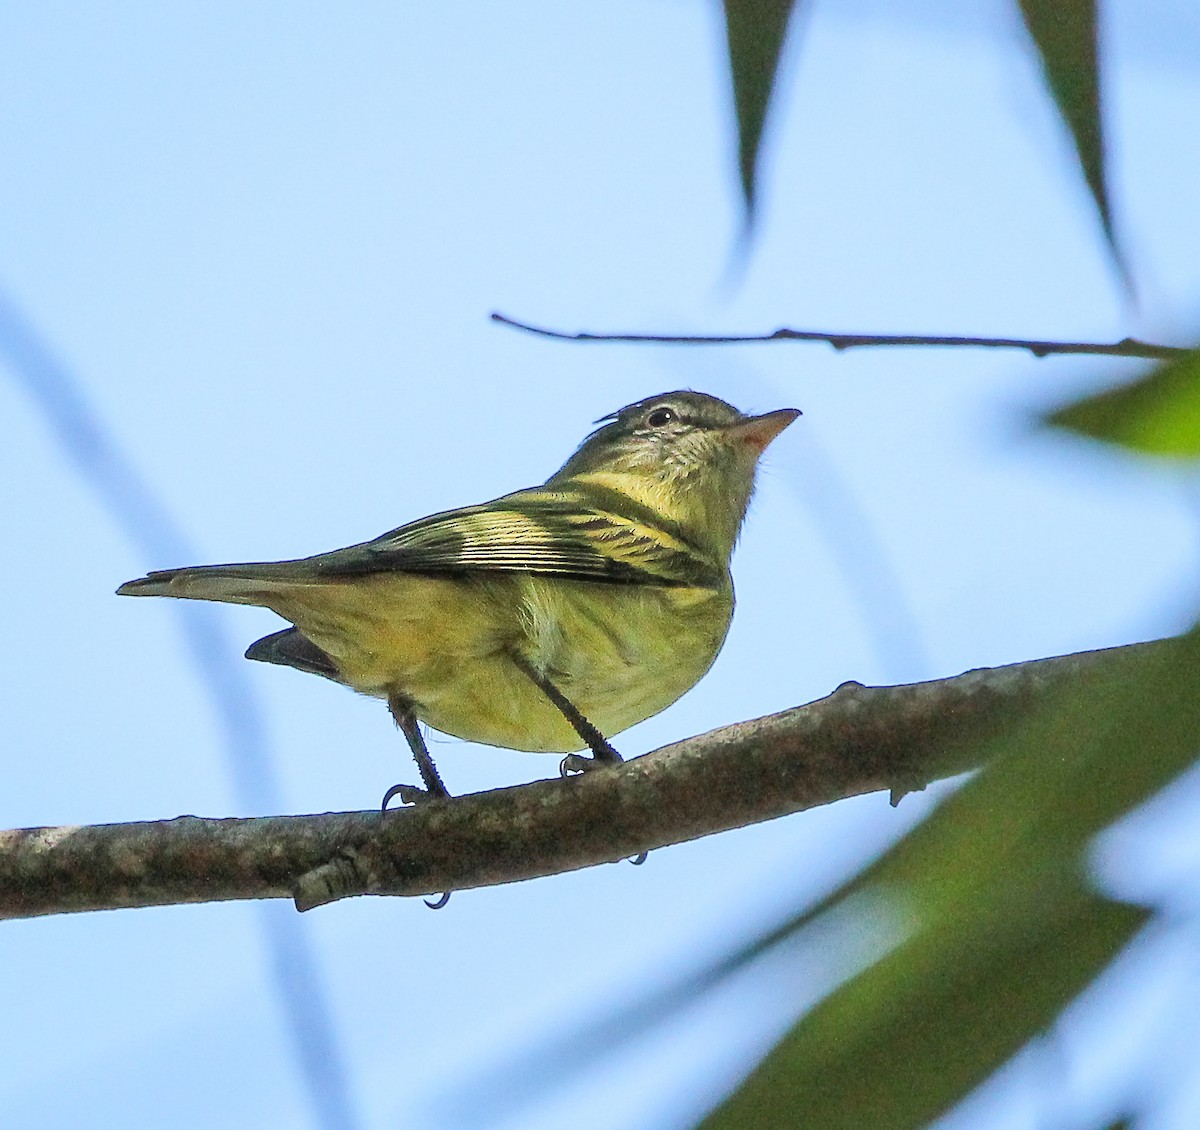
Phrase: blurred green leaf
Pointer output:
(842, 1070)
(1064, 32)
(1005, 931)
(755, 30)
(1159, 414)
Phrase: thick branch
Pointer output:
(1127, 347)
(857, 740)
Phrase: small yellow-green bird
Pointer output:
(543, 620)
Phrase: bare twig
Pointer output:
(1127, 347)
(857, 740)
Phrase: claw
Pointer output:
(408, 794)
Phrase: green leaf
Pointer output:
(1158, 415)
(1064, 32)
(941, 1028)
(755, 30)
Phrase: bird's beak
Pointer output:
(758, 431)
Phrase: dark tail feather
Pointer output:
(291, 649)
(235, 584)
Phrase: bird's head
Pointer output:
(686, 456)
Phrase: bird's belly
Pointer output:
(623, 653)
(619, 653)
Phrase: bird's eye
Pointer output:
(660, 417)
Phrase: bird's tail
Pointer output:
(233, 584)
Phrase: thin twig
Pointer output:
(857, 740)
(1127, 347)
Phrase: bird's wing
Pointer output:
(553, 533)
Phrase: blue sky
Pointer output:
(264, 240)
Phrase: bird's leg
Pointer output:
(402, 711)
(602, 752)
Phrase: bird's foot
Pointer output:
(605, 755)
(413, 794)
(581, 763)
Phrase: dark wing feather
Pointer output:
(552, 533)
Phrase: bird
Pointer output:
(546, 620)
